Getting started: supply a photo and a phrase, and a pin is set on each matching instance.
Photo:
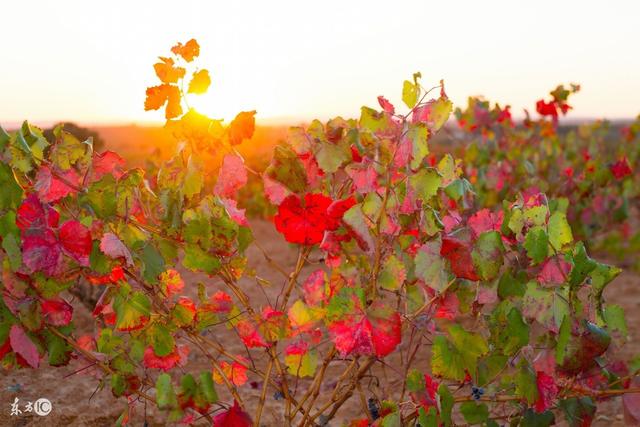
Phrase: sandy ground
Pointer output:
(75, 403)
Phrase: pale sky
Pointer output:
(90, 61)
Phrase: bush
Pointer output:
(495, 294)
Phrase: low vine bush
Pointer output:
(589, 168)
(426, 308)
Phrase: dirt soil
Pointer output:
(77, 399)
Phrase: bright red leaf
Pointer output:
(234, 417)
(304, 223)
(386, 105)
(547, 392)
(76, 241)
(250, 335)
(376, 332)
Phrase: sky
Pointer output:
(90, 61)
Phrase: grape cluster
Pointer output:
(477, 392)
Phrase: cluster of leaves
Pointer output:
(483, 313)
(590, 168)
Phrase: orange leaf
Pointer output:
(188, 51)
(174, 108)
(166, 71)
(242, 127)
(156, 97)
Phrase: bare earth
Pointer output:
(74, 402)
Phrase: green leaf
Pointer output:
(11, 246)
(526, 384)
(68, 151)
(415, 381)
(430, 266)
(425, 183)
(582, 265)
(195, 259)
(331, 156)
(152, 263)
(208, 387)
(428, 419)
(58, 349)
(287, 169)
(118, 384)
(614, 318)
(510, 286)
(101, 197)
(418, 134)
(509, 331)
(487, 255)
(452, 359)
(534, 419)
(474, 413)
(537, 244)
(392, 274)
(446, 404)
(559, 231)
(11, 194)
(165, 395)
(132, 311)
(562, 342)
(161, 339)
(578, 411)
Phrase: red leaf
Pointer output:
(23, 346)
(547, 392)
(221, 302)
(75, 239)
(314, 288)
(337, 209)
(547, 108)
(112, 246)
(459, 255)
(242, 127)
(554, 271)
(485, 220)
(303, 224)
(249, 334)
(621, 168)
(41, 252)
(235, 372)
(177, 357)
(51, 188)
(107, 163)
(171, 281)
(377, 333)
(33, 214)
(232, 176)
(237, 215)
(274, 191)
(234, 417)
(57, 312)
(386, 105)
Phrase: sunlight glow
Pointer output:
(91, 61)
